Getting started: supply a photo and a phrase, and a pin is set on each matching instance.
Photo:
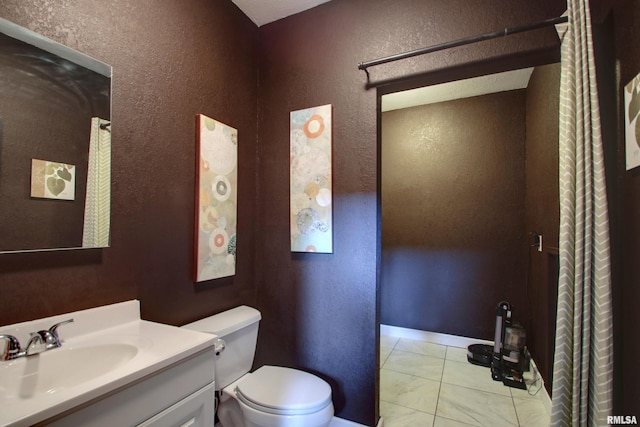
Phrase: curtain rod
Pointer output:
(507, 31)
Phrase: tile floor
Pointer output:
(427, 384)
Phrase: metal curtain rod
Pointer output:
(460, 42)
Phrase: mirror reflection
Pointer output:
(55, 145)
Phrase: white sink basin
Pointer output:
(104, 351)
(54, 370)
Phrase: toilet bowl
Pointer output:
(274, 396)
(271, 396)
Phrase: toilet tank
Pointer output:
(238, 328)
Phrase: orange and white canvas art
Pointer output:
(311, 202)
(216, 200)
(632, 122)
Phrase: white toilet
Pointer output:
(271, 396)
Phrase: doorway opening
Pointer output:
(466, 175)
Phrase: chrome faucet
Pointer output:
(38, 342)
(34, 346)
(11, 348)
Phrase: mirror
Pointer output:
(55, 145)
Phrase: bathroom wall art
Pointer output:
(311, 208)
(216, 200)
(632, 122)
(53, 180)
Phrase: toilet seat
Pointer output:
(283, 391)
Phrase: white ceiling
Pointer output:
(493, 83)
(264, 11)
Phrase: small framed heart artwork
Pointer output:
(53, 180)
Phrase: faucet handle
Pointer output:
(54, 328)
(11, 347)
(51, 336)
(49, 339)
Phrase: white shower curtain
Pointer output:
(582, 370)
(97, 208)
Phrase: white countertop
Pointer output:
(158, 346)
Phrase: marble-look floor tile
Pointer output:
(475, 407)
(534, 389)
(415, 364)
(532, 413)
(472, 376)
(400, 416)
(384, 354)
(388, 341)
(533, 392)
(445, 422)
(467, 395)
(409, 391)
(457, 354)
(422, 347)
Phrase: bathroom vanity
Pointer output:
(112, 369)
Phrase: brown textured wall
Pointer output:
(171, 61)
(321, 309)
(627, 41)
(453, 193)
(542, 214)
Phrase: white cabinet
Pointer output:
(193, 411)
(181, 395)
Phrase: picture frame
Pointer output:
(632, 122)
(311, 193)
(216, 200)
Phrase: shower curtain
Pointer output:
(582, 370)
(97, 208)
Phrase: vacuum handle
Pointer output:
(498, 336)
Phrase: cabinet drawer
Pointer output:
(193, 411)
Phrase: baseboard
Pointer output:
(339, 422)
(432, 337)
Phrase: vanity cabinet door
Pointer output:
(144, 401)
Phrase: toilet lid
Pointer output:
(284, 391)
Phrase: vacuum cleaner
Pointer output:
(509, 357)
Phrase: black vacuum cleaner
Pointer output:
(509, 357)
